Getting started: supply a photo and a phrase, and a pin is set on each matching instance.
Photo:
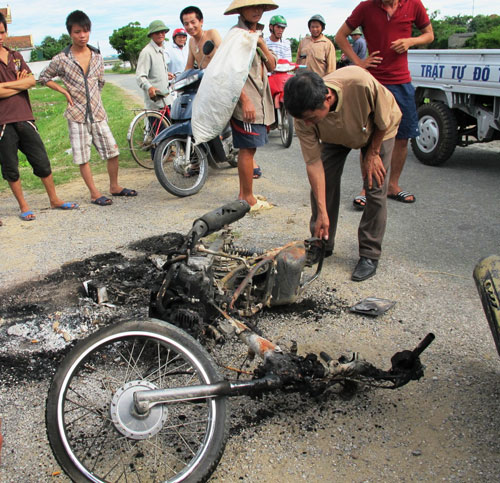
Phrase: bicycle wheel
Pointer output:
(141, 133)
(286, 130)
(92, 428)
(174, 172)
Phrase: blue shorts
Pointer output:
(248, 136)
(405, 97)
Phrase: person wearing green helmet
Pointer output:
(316, 51)
(275, 42)
(152, 72)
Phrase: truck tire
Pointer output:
(438, 134)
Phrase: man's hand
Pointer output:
(22, 74)
(248, 110)
(261, 43)
(321, 226)
(68, 97)
(170, 76)
(372, 169)
(152, 91)
(401, 45)
(371, 61)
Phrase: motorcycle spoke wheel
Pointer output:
(141, 134)
(177, 175)
(93, 429)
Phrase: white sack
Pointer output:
(222, 83)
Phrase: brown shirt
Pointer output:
(196, 50)
(362, 104)
(16, 108)
(257, 88)
(318, 55)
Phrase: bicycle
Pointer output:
(145, 126)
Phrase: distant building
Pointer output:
(6, 13)
(21, 43)
(457, 41)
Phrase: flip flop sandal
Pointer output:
(126, 192)
(257, 173)
(27, 216)
(102, 201)
(403, 197)
(67, 206)
(359, 202)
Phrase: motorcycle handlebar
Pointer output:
(423, 344)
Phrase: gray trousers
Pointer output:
(372, 225)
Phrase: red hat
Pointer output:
(179, 31)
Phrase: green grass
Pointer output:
(48, 108)
(120, 70)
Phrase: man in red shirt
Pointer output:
(387, 27)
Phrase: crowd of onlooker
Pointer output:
(367, 105)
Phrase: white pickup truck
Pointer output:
(458, 100)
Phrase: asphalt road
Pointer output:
(456, 219)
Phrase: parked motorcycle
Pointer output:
(277, 81)
(181, 166)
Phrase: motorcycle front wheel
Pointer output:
(286, 130)
(93, 428)
(175, 173)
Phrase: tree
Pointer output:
(294, 44)
(484, 26)
(128, 41)
(489, 40)
(50, 47)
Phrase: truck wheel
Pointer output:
(438, 134)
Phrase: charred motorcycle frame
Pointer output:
(143, 399)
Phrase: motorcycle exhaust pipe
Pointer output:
(215, 220)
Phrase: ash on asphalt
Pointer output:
(41, 320)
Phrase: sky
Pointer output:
(47, 17)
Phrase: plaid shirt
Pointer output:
(84, 88)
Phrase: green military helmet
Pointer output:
(319, 18)
(157, 26)
(278, 20)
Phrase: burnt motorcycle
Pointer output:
(181, 166)
(143, 400)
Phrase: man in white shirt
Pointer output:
(276, 42)
(151, 73)
(177, 52)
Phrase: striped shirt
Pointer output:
(84, 88)
(281, 48)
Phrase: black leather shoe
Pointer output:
(365, 268)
